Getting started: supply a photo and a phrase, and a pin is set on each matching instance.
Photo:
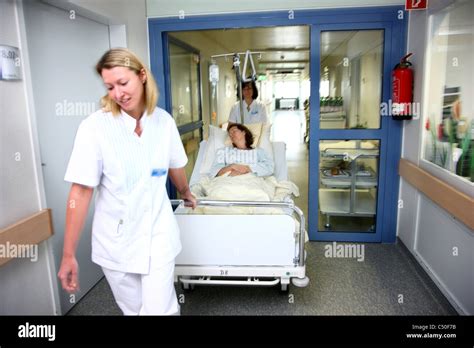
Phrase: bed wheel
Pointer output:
(300, 282)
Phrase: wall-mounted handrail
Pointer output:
(24, 233)
(455, 202)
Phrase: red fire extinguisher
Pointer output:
(402, 90)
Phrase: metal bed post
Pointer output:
(238, 77)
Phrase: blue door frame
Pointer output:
(392, 19)
(189, 127)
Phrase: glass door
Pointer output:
(350, 135)
(185, 96)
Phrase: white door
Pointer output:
(63, 50)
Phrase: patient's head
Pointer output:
(241, 136)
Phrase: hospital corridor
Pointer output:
(202, 159)
(344, 286)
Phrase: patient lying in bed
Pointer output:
(243, 174)
(240, 173)
(241, 158)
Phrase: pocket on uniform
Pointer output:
(120, 227)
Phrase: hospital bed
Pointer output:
(232, 249)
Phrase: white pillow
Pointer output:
(255, 128)
(265, 142)
(215, 141)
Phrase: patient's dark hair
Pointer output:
(248, 133)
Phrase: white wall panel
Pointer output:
(163, 8)
(447, 248)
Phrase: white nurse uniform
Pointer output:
(134, 232)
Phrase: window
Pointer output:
(351, 79)
(448, 133)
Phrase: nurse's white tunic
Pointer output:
(255, 113)
(130, 173)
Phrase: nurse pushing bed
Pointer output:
(253, 110)
(126, 151)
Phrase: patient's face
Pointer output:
(236, 135)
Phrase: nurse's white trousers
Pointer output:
(145, 294)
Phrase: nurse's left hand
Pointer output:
(189, 199)
(69, 274)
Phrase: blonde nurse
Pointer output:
(126, 151)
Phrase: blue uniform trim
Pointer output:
(158, 172)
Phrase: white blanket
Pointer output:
(247, 187)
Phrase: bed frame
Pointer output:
(248, 250)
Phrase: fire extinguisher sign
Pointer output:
(416, 4)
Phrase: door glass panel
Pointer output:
(184, 77)
(191, 142)
(348, 172)
(350, 79)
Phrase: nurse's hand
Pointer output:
(68, 274)
(189, 199)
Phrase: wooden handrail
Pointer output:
(457, 203)
(26, 232)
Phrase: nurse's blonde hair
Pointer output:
(123, 57)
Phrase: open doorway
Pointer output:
(283, 83)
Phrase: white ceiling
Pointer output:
(332, 40)
(284, 50)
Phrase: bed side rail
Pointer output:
(292, 206)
